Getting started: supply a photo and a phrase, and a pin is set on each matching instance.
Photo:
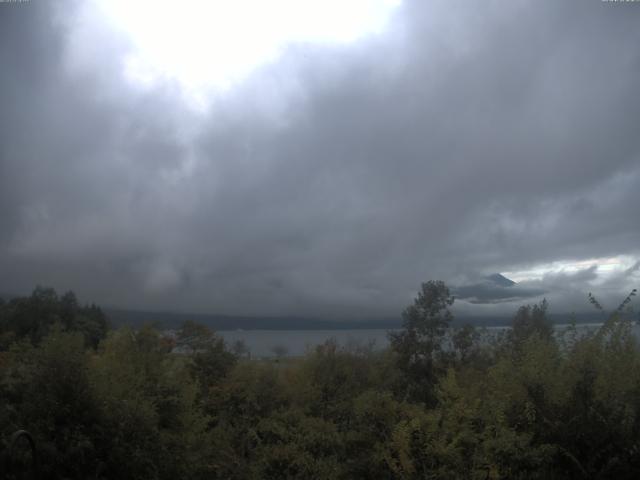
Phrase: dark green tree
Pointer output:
(530, 320)
(33, 318)
(209, 358)
(419, 344)
(465, 342)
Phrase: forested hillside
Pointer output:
(441, 402)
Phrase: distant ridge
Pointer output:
(171, 320)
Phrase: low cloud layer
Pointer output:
(495, 289)
(470, 138)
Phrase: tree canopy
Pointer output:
(440, 402)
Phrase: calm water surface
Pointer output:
(261, 343)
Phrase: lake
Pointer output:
(296, 342)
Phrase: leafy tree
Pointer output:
(33, 318)
(465, 342)
(293, 445)
(418, 345)
(530, 320)
(251, 392)
(209, 360)
(151, 426)
(193, 337)
(46, 390)
(332, 377)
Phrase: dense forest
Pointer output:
(439, 403)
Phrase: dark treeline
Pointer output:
(439, 403)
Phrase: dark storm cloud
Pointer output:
(473, 138)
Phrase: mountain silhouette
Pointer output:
(500, 279)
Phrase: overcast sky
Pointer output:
(324, 165)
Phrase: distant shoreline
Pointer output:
(170, 320)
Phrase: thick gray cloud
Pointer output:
(472, 138)
(494, 289)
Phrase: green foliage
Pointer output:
(35, 316)
(208, 360)
(292, 445)
(47, 390)
(440, 403)
(530, 320)
(466, 344)
(150, 425)
(419, 344)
